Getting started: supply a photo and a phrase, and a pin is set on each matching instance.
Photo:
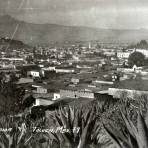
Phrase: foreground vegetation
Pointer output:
(95, 125)
(99, 123)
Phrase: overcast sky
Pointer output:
(119, 14)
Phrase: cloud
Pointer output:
(95, 13)
(70, 5)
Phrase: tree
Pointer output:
(11, 96)
(98, 46)
(136, 58)
(143, 44)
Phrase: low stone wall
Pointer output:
(118, 93)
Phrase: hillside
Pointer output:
(7, 43)
(45, 33)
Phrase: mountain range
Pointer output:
(30, 33)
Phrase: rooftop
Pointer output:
(25, 80)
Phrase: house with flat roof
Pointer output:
(77, 92)
(34, 73)
(43, 101)
(44, 91)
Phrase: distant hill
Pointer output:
(7, 43)
(45, 33)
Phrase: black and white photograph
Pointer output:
(73, 73)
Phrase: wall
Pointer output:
(127, 54)
(42, 102)
(56, 96)
(125, 69)
(34, 73)
(76, 94)
(41, 90)
(123, 54)
(75, 80)
(64, 70)
(118, 93)
(103, 82)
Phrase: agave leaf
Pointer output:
(146, 106)
(96, 131)
(27, 141)
(58, 120)
(146, 118)
(113, 136)
(72, 113)
(78, 120)
(126, 138)
(4, 139)
(132, 141)
(68, 140)
(54, 136)
(83, 139)
(22, 133)
(90, 124)
(130, 126)
(62, 110)
(64, 119)
(2, 145)
(142, 136)
(77, 124)
(60, 137)
(87, 116)
(71, 117)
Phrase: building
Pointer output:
(103, 82)
(12, 59)
(143, 51)
(43, 101)
(130, 70)
(123, 55)
(75, 80)
(73, 93)
(44, 92)
(109, 53)
(64, 70)
(102, 85)
(33, 73)
(25, 81)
